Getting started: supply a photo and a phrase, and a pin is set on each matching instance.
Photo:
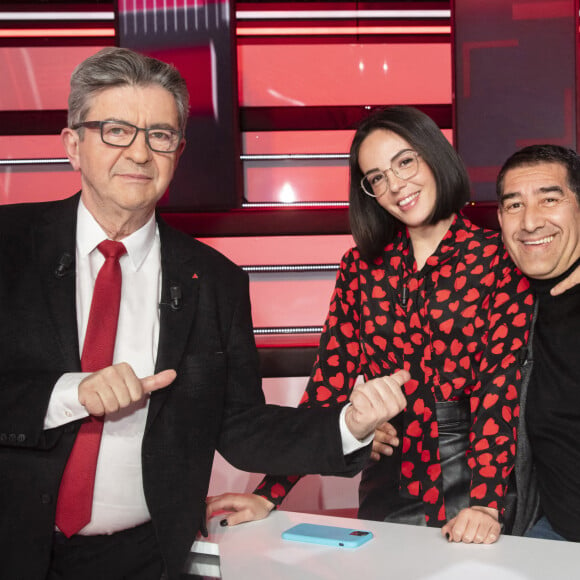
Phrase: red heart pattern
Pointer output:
(466, 318)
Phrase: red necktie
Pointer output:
(75, 498)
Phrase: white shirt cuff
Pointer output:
(64, 406)
(350, 443)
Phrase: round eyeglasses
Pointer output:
(122, 134)
(405, 165)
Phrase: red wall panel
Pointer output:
(36, 78)
(349, 74)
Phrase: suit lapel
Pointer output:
(54, 239)
(176, 318)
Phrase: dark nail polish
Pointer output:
(448, 536)
(224, 523)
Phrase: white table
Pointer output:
(255, 551)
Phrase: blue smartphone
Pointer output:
(327, 535)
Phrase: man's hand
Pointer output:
(117, 386)
(572, 280)
(477, 525)
(374, 402)
(384, 441)
(245, 507)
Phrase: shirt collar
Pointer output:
(90, 235)
(449, 246)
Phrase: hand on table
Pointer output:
(477, 525)
(244, 507)
(116, 387)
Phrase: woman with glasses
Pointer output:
(428, 291)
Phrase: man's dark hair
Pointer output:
(534, 154)
(372, 226)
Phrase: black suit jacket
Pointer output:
(216, 402)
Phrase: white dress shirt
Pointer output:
(118, 501)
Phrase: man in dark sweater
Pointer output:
(539, 212)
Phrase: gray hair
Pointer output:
(114, 67)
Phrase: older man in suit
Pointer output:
(127, 355)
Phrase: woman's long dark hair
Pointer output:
(372, 226)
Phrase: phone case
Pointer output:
(327, 535)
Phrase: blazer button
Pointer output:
(45, 498)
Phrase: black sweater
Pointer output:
(553, 406)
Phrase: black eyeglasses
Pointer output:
(122, 134)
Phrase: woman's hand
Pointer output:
(477, 525)
(384, 440)
(244, 507)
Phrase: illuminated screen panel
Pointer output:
(293, 298)
(31, 147)
(276, 250)
(37, 78)
(290, 300)
(285, 142)
(296, 181)
(37, 183)
(350, 74)
(283, 391)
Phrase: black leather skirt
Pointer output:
(379, 495)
